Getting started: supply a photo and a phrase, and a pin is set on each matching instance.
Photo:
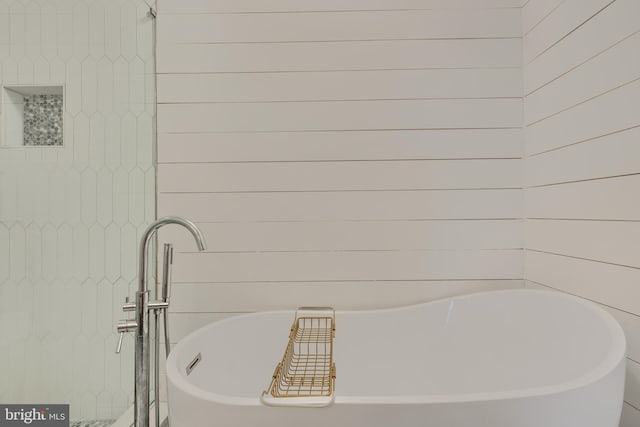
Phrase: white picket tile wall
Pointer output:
(70, 216)
(582, 210)
(349, 153)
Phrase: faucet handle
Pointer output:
(119, 346)
(123, 327)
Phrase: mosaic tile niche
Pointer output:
(33, 115)
(43, 120)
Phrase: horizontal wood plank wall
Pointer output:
(256, 6)
(353, 153)
(582, 133)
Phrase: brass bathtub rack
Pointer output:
(306, 374)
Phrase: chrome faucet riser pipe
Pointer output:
(156, 378)
(161, 297)
(142, 361)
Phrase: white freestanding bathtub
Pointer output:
(521, 358)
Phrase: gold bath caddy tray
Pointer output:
(306, 375)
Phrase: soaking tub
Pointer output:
(515, 358)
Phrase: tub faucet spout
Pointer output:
(143, 306)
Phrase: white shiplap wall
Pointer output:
(352, 153)
(582, 132)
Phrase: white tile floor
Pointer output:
(94, 423)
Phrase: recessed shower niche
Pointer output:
(32, 115)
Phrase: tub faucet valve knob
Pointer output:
(128, 306)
